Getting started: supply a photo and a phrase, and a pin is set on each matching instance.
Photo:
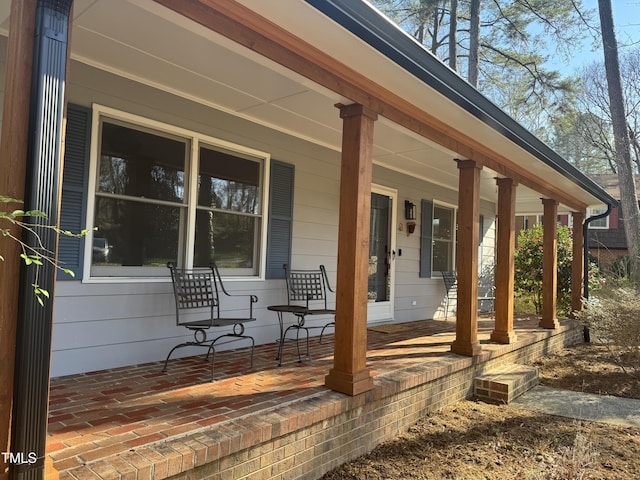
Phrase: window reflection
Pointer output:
(443, 233)
(135, 234)
(228, 182)
(142, 204)
(140, 164)
(227, 239)
(228, 207)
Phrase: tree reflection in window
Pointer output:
(227, 219)
(140, 176)
(143, 203)
(443, 238)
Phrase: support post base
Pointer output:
(50, 473)
(550, 324)
(469, 349)
(349, 383)
(503, 337)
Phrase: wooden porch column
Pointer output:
(549, 264)
(349, 373)
(504, 273)
(577, 265)
(466, 342)
(13, 164)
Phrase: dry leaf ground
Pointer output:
(473, 440)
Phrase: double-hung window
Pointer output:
(228, 220)
(444, 225)
(164, 194)
(600, 223)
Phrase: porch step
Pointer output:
(506, 383)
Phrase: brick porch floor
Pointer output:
(137, 422)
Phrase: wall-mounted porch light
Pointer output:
(409, 210)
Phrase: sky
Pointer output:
(626, 18)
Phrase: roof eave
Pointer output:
(365, 22)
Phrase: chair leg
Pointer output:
(298, 344)
(253, 344)
(297, 328)
(185, 344)
(212, 349)
(306, 330)
(213, 360)
(279, 357)
(323, 328)
(282, 342)
(210, 344)
(164, 369)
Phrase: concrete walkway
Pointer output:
(583, 406)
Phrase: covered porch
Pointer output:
(289, 91)
(270, 422)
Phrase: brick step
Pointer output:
(506, 383)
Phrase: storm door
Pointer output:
(381, 253)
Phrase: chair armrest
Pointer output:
(326, 279)
(252, 299)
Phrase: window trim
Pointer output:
(195, 139)
(454, 233)
(590, 213)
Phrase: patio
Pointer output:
(270, 422)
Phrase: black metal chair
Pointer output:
(307, 295)
(197, 294)
(486, 290)
(451, 286)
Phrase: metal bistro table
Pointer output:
(299, 311)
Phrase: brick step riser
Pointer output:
(505, 384)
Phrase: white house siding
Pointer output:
(106, 325)
(427, 293)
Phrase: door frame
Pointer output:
(383, 312)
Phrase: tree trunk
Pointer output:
(636, 148)
(453, 36)
(628, 196)
(474, 43)
(436, 31)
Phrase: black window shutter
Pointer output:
(280, 218)
(426, 237)
(73, 208)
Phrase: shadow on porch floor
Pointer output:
(115, 422)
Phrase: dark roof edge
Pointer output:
(365, 22)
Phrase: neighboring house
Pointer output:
(607, 239)
(238, 131)
(606, 236)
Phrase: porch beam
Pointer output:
(349, 373)
(466, 342)
(13, 161)
(577, 265)
(244, 26)
(505, 265)
(549, 264)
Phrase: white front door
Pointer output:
(382, 253)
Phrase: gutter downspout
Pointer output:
(42, 192)
(585, 236)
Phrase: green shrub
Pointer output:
(528, 268)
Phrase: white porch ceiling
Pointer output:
(148, 43)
